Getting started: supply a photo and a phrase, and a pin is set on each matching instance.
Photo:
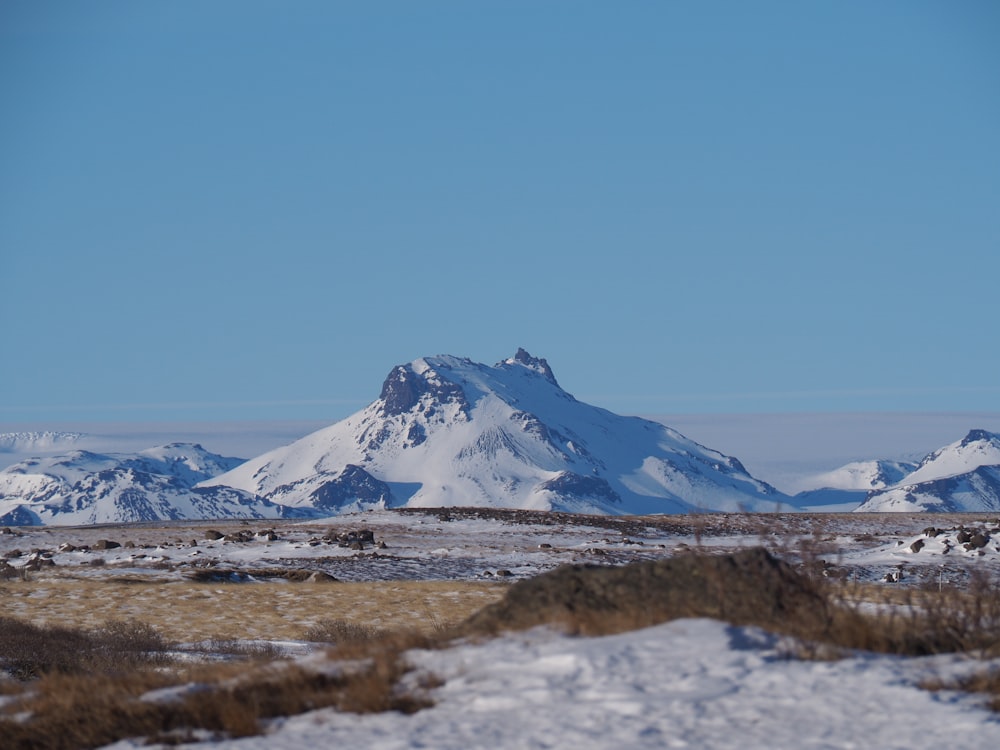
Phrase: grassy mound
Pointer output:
(749, 587)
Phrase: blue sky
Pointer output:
(253, 210)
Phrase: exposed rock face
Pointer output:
(353, 485)
(569, 485)
(404, 388)
(537, 364)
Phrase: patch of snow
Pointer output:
(688, 683)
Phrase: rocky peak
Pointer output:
(537, 364)
(976, 436)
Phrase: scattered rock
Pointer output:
(931, 531)
(979, 540)
(544, 545)
(214, 535)
(504, 574)
(917, 545)
(105, 544)
(963, 536)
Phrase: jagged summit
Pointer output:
(539, 365)
(449, 431)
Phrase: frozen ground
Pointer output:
(690, 683)
(685, 684)
(475, 544)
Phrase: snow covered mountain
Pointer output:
(447, 431)
(37, 440)
(81, 487)
(845, 488)
(962, 476)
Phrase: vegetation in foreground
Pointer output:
(72, 688)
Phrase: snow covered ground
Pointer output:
(476, 544)
(689, 683)
(684, 684)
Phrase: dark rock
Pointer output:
(917, 545)
(353, 484)
(979, 540)
(504, 574)
(930, 531)
(572, 486)
(538, 364)
(105, 544)
(404, 388)
(214, 535)
(963, 536)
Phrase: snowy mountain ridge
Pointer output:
(447, 431)
(962, 476)
(82, 487)
(24, 441)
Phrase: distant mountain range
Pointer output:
(81, 487)
(961, 477)
(447, 431)
(43, 440)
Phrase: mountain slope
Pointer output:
(962, 476)
(844, 489)
(447, 431)
(157, 484)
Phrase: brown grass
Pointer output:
(185, 611)
(750, 587)
(92, 704)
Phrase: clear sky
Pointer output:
(253, 210)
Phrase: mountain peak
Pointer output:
(976, 436)
(539, 365)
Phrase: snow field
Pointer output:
(684, 684)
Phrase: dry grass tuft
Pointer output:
(342, 631)
(750, 587)
(89, 709)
